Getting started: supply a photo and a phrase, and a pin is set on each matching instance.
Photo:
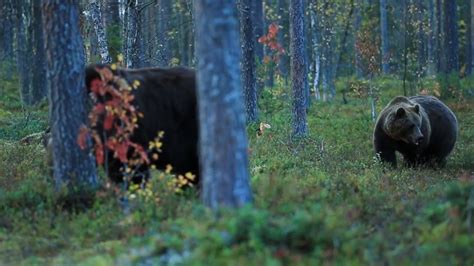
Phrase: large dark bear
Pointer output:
(421, 128)
(167, 100)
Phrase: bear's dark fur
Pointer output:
(167, 100)
(421, 128)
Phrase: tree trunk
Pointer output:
(73, 167)
(472, 36)
(439, 37)
(100, 32)
(431, 38)
(468, 47)
(23, 53)
(39, 85)
(283, 23)
(131, 41)
(223, 140)
(316, 66)
(357, 26)
(421, 39)
(142, 35)
(7, 54)
(163, 28)
(248, 61)
(183, 36)
(384, 37)
(451, 42)
(299, 79)
(257, 21)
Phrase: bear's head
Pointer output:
(403, 123)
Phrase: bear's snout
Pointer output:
(419, 140)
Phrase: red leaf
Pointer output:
(99, 154)
(108, 122)
(262, 39)
(82, 137)
(121, 152)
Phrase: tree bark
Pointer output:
(469, 40)
(100, 31)
(39, 84)
(431, 38)
(73, 167)
(357, 26)
(7, 54)
(163, 28)
(451, 42)
(472, 36)
(439, 37)
(131, 41)
(384, 37)
(283, 23)
(257, 19)
(23, 53)
(247, 43)
(299, 79)
(421, 39)
(223, 140)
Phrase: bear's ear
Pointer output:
(417, 109)
(400, 112)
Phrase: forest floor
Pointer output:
(319, 200)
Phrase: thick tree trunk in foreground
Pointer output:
(223, 140)
(73, 167)
(299, 78)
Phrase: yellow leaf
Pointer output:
(168, 168)
(190, 176)
(136, 84)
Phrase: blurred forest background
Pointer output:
(322, 198)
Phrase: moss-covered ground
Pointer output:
(322, 200)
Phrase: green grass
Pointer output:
(318, 200)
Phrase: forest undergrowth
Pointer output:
(323, 199)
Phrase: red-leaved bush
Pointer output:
(271, 41)
(112, 121)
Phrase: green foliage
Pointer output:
(319, 200)
(114, 40)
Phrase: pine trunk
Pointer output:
(39, 85)
(247, 43)
(100, 32)
(298, 68)
(384, 37)
(223, 140)
(73, 167)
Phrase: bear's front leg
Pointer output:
(384, 149)
(386, 155)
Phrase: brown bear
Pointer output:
(167, 100)
(421, 128)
